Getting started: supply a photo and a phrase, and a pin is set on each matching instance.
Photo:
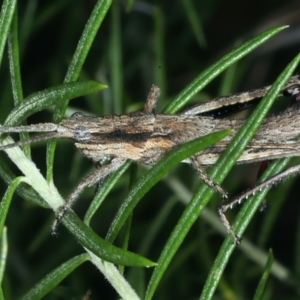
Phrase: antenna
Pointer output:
(49, 128)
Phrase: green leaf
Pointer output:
(143, 185)
(115, 57)
(263, 281)
(3, 257)
(1, 294)
(15, 71)
(14, 61)
(84, 44)
(49, 282)
(6, 200)
(40, 100)
(218, 67)
(194, 19)
(160, 49)
(6, 15)
(101, 248)
(23, 190)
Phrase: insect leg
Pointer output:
(244, 196)
(90, 180)
(201, 172)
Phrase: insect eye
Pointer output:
(82, 133)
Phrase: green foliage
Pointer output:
(114, 51)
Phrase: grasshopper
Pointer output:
(145, 137)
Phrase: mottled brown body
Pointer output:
(146, 137)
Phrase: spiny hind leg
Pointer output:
(218, 188)
(251, 192)
(203, 175)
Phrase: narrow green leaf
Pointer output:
(44, 16)
(6, 200)
(194, 19)
(87, 38)
(1, 294)
(3, 257)
(50, 281)
(159, 66)
(6, 15)
(101, 248)
(129, 5)
(4, 206)
(156, 173)
(218, 67)
(14, 61)
(15, 72)
(40, 100)
(263, 281)
(24, 191)
(115, 56)
(126, 238)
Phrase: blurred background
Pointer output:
(139, 43)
